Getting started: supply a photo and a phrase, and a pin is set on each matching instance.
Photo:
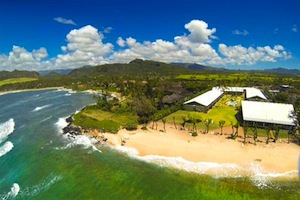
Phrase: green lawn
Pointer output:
(91, 117)
(216, 114)
(16, 80)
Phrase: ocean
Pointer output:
(37, 161)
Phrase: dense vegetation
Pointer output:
(150, 91)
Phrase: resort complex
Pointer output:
(256, 108)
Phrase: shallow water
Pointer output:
(38, 162)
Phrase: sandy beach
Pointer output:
(36, 89)
(276, 158)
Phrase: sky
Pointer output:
(233, 34)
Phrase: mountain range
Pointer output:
(136, 67)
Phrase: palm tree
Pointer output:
(245, 127)
(174, 123)
(194, 118)
(276, 130)
(221, 124)
(255, 133)
(236, 133)
(207, 122)
(268, 135)
(236, 126)
(184, 122)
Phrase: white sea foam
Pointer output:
(6, 129)
(5, 148)
(61, 123)
(40, 108)
(14, 190)
(44, 185)
(215, 169)
(254, 170)
(81, 140)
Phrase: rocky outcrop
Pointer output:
(72, 129)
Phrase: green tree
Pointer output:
(207, 123)
(144, 108)
(174, 122)
(276, 130)
(255, 133)
(268, 134)
(164, 123)
(184, 119)
(221, 124)
(194, 118)
(245, 127)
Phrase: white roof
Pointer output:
(234, 89)
(207, 98)
(250, 91)
(274, 113)
(253, 92)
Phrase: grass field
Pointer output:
(92, 117)
(16, 80)
(220, 111)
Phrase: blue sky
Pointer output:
(235, 34)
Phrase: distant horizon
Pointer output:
(236, 34)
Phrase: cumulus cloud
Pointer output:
(238, 32)
(239, 55)
(86, 46)
(294, 28)
(199, 31)
(20, 58)
(64, 21)
(192, 47)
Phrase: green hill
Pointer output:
(135, 67)
(18, 74)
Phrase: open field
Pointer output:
(236, 77)
(92, 117)
(16, 80)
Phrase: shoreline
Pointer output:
(207, 153)
(33, 89)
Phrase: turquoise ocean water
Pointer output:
(38, 162)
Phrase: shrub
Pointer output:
(131, 125)
(109, 126)
(194, 134)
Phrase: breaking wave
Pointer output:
(14, 190)
(61, 123)
(40, 108)
(6, 129)
(44, 185)
(80, 140)
(218, 170)
(7, 147)
(75, 140)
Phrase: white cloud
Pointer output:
(294, 28)
(64, 21)
(121, 42)
(20, 58)
(107, 30)
(86, 46)
(199, 32)
(238, 32)
(239, 55)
